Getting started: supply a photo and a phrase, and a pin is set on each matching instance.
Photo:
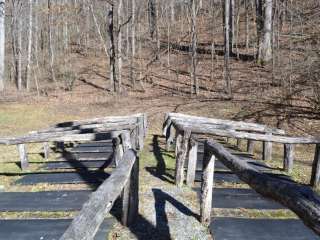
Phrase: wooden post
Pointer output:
(133, 137)
(192, 162)
(207, 185)
(238, 143)
(169, 136)
(250, 147)
(181, 153)
(315, 177)
(130, 197)
(117, 150)
(267, 149)
(125, 140)
(288, 157)
(141, 132)
(23, 156)
(46, 150)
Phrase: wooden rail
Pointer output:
(176, 126)
(123, 181)
(301, 199)
(81, 131)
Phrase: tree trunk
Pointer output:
(29, 45)
(194, 84)
(51, 51)
(265, 48)
(227, 47)
(259, 20)
(2, 44)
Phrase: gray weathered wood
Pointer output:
(239, 143)
(141, 131)
(46, 150)
(192, 162)
(315, 175)
(207, 185)
(267, 149)
(250, 146)
(23, 154)
(169, 136)
(298, 198)
(204, 129)
(86, 224)
(117, 150)
(288, 157)
(130, 197)
(236, 125)
(181, 154)
(126, 141)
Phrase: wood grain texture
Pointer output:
(235, 125)
(301, 199)
(181, 154)
(288, 157)
(207, 185)
(192, 162)
(86, 224)
(23, 154)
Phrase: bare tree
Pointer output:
(265, 48)
(29, 45)
(193, 73)
(227, 47)
(2, 44)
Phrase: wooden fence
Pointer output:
(179, 126)
(127, 134)
(184, 129)
(81, 131)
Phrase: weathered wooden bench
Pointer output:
(184, 129)
(80, 131)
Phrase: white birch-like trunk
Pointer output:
(29, 45)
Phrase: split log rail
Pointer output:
(127, 135)
(81, 131)
(299, 198)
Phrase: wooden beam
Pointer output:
(130, 197)
(192, 162)
(46, 150)
(267, 149)
(250, 146)
(169, 136)
(117, 150)
(86, 224)
(315, 175)
(239, 143)
(207, 185)
(23, 154)
(299, 198)
(235, 125)
(202, 129)
(288, 157)
(181, 153)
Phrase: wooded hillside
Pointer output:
(246, 49)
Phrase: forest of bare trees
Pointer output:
(197, 47)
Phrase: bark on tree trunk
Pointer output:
(29, 45)
(194, 79)
(227, 45)
(265, 48)
(2, 44)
